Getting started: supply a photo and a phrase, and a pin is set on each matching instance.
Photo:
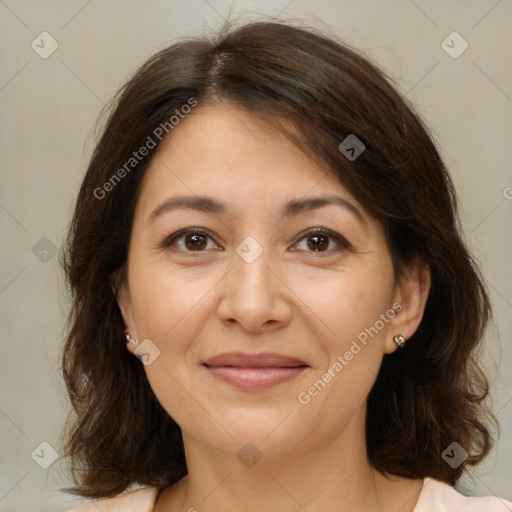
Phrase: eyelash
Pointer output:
(342, 243)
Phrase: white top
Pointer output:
(435, 496)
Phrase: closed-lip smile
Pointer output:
(254, 372)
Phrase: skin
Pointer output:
(194, 304)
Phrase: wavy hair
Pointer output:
(427, 395)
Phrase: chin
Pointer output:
(276, 434)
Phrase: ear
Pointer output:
(122, 293)
(411, 295)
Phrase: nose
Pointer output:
(254, 297)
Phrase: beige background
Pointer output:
(48, 110)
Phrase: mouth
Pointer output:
(254, 372)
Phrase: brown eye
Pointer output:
(190, 240)
(318, 243)
(320, 240)
(195, 242)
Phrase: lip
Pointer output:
(254, 372)
(262, 360)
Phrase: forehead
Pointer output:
(237, 156)
(229, 135)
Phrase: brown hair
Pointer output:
(426, 396)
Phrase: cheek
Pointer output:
(169, 306)
(354, 347)
(345, 305)
(353, 314)
(171, 310)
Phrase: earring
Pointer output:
(399, 340)
(131, 340)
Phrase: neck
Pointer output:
(334, 476)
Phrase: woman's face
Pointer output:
(237, 268)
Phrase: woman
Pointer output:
(272, 305)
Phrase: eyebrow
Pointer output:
(292, 208)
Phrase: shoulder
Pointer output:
(141, 500)
(440, 497)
